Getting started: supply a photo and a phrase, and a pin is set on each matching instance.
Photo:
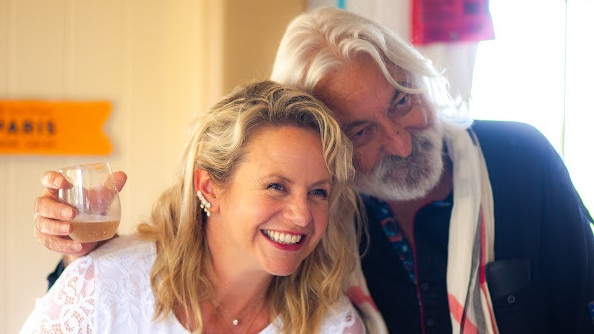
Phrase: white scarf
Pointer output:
(472, 234)
(470, 245)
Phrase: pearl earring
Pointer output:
(204, 204)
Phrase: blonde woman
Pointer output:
(254, 237)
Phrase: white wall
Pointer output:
(579, 111)
(159, 62)
(546, 82)
(536, 71)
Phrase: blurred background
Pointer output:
(160, 63)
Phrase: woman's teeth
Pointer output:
(283, 238)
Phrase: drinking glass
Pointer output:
(95, 195)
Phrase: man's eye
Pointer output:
(359, 133)
(362, 136)
(402, 105)
(405, 98)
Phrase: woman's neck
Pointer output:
(237, 283)
(237, 291)
(239, 303)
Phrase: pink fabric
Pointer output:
(451, 21)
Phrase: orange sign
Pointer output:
(54, 128)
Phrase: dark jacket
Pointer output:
(542, 278)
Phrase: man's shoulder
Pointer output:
(510, 139)
(508, 132)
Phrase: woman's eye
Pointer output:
(276, 186)
(322, 193)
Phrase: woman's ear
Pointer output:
(204, 184)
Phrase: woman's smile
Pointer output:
(285, 238)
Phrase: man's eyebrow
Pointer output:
(349, 126)
(398, 92)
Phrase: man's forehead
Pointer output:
(350, 101)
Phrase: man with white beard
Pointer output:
(474, 227)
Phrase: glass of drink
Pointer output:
(94, 194)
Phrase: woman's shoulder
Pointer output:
(119, 275)
(125, 244)
(108, 291)
(342, 318)
(122, 258)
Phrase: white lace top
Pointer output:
(109, 291)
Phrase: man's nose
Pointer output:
(396, 130)
(396, 141)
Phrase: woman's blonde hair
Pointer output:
(182, 275)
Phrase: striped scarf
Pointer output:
(472, 234)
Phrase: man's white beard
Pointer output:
(400, 179)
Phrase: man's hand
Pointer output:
(52, 217)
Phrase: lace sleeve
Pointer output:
(69, 306)
(343, 319)
(353, 323)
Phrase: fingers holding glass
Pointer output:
(94, 194)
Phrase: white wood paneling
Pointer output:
(158, 62)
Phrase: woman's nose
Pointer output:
(299, 211)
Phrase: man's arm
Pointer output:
(53, 276)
